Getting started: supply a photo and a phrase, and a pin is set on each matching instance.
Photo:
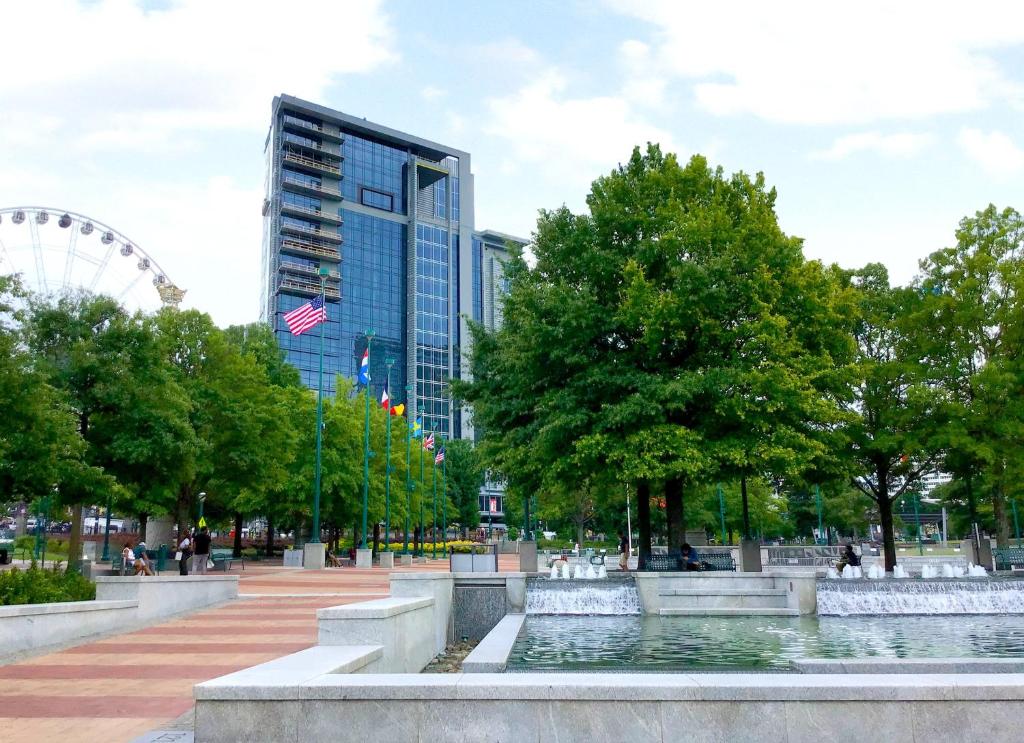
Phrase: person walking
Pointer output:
(200, 551)
(184, 552)
(623, 552)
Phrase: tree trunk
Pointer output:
(183, 507)
(75, 539)
(376, 539)
(143, 520)
(676, 526)
(236, 550)
(972, 505)
(746, 507)
(999, 509)
(885, 517)
(579, 533)
(270, 537)
(643, 519)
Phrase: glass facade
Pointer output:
(478, 280)
(432, 315)
(376, 166)
(374, 297)
(303, 351)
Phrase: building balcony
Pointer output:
(309, 189)
(301, 125)
(309, 249)
(306, 287)
(311, 165)
(304, 271)
(305, 211)
(291, 229)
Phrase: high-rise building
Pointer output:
(490, 252)
(390, 216)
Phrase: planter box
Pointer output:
(293, 558)
(467, 563)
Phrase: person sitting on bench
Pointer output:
(333, 560)
(690, 558)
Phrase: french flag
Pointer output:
(364, 368)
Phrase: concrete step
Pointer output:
(730, 612)
(722, 592)
(726, 601)
(713, 580)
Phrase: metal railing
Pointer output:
(318, 187)
(308, 248)
(817, 555)
(294, 157)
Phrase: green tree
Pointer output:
(465, 479)
(973, 310)
(898, 410)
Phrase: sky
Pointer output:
(881, 125)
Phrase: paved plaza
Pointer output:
(118, 688)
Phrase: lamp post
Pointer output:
(444, 503)
(106, 531)
(408, 473)
(817, 500)
(366, 448)
(721, 511)
(387, 463)
(917, 518)
(202, 500)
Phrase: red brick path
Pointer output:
(118, 688)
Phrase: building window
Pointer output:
(377, 199)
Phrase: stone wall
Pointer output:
(403, 628)
(29, 627)
(639, 708)
(164, 595)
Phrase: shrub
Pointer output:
(39, 586)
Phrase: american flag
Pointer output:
(440, 456)
(307, 316)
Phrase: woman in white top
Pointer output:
(184, 553)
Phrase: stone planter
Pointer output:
(293, 558)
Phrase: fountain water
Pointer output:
(591, 574)
(565, 571)
(578, 572)
(899, 572)
(938, 596)
(608, 597)
(554, 572)
(976, 571)
(832, 573)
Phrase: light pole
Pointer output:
(387, 463)
(202, 500)
(323, 273)
(106, 530)
(366, 447)
(721, 511)
(444, 503)
(817, 499)
(408, 473)
(917, 518)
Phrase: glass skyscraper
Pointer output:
(390, 215)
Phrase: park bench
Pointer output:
(222, 558)
(1009, 558)
(673, 561)
(156, 559)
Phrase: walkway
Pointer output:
(118, 688)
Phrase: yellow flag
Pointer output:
(398, 409)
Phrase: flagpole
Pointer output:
(444, 502)
(315, 536)
(433, 521)
(387, 464)
(423, 529)
(408, 473)
(366, 446)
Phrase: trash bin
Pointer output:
(5, 556)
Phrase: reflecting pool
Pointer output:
(678, 644)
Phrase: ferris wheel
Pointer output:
(55, 250)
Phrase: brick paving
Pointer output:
(119, 688)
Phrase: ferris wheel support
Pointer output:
(82, 226)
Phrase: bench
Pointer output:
(1009, 558)
(156, 563)
(222, 558)
(673, 561)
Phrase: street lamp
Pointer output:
(202, 500)
(106, 530)
(408, 472)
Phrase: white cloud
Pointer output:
(569, 139)
(123, 113)
(905, 144)
(997, 154)
(810, 62)
(645, 84)
(195, 64)
(431, 93)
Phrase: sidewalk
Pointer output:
(118, 688)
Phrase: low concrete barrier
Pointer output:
(164, 595)
(640, 708)
(491, 655)
(908, 665)
(402, 627)
(28, 627)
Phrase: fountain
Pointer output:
(554, 572)
(591, 574)
(928, 596)
(610, 597)
(976, 571)
(899, 572)
(577, 574)
(565, 571)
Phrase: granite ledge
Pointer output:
(375, 609)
